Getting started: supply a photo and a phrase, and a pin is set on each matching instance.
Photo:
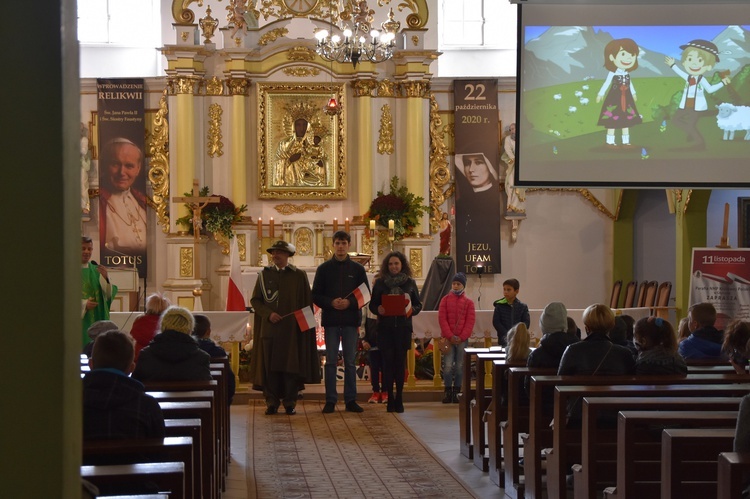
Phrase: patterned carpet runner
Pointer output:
(315, 455)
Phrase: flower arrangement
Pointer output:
(399, 205)
(217, 217)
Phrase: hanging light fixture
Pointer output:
(360, 42)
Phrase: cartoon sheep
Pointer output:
(572, 109)
(732, 118)
(584, 101)
(557, 96)
(578, 93)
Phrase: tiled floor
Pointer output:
(432, 421)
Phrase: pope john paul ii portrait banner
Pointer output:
(302, 149)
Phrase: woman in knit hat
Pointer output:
(457, 316)
(174, 355)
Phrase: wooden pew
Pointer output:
(497, 412)
(733, 467)
(222, 364)
(599, 446)
(689, 460)
(136, 496)
(540, 433)
(512, 429)
(479, 405)
(168, 477)
(217, 404)
(205, 412)
(152, 450)
(189, 427)
(639, 448)
(566, 442)
(464, 403)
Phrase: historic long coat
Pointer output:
(282, 347)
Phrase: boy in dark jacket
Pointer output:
(202, 333)
(114, 405)
(509, 311)
(333, 291)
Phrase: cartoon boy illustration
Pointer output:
(698, 57)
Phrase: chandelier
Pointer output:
(359, 41)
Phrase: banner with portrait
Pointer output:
(122, 173)
(722, 277)
(478, 214)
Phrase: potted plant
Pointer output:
(399, 205)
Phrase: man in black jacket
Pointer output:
(332, 291)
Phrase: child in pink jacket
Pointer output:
(457, 317)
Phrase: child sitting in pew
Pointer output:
(705, 340)
(657, 348)
(116, 406)
(202, 333)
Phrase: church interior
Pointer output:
(225, 86)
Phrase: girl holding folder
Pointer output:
(395, 299)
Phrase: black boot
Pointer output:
(454, 395)
(447, 395)
(391, 405)
(399, 405)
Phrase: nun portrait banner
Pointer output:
(122, 173)
(478, 214)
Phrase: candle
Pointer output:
(260, 228)
(335, 224)
(346, 224)
(372, 224)
(391, 225)
(270, 227)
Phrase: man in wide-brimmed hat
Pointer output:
(698, 57)
(283, 357)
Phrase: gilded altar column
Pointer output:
(416, 129)
(186, 88)
(239, 89)
(363, 90)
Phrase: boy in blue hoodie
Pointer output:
(705, 340)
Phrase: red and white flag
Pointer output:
(235, 298)
(305, 318)
(362, 293)
(408, 308)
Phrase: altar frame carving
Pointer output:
(282, 103)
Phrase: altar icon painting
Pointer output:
(302, 151)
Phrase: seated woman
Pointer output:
(735, 346)
(595, 354)
(146, 326)
(657, 348)
(518, 349)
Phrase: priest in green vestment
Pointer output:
(97, 291)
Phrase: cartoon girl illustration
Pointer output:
(618, 110)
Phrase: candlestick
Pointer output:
(346, 224)
(391, 225)
(260, 228)
(270, 228)
(335, 224)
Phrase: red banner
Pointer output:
(122, 173)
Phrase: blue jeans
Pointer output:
(453, 366)
(348, 336)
